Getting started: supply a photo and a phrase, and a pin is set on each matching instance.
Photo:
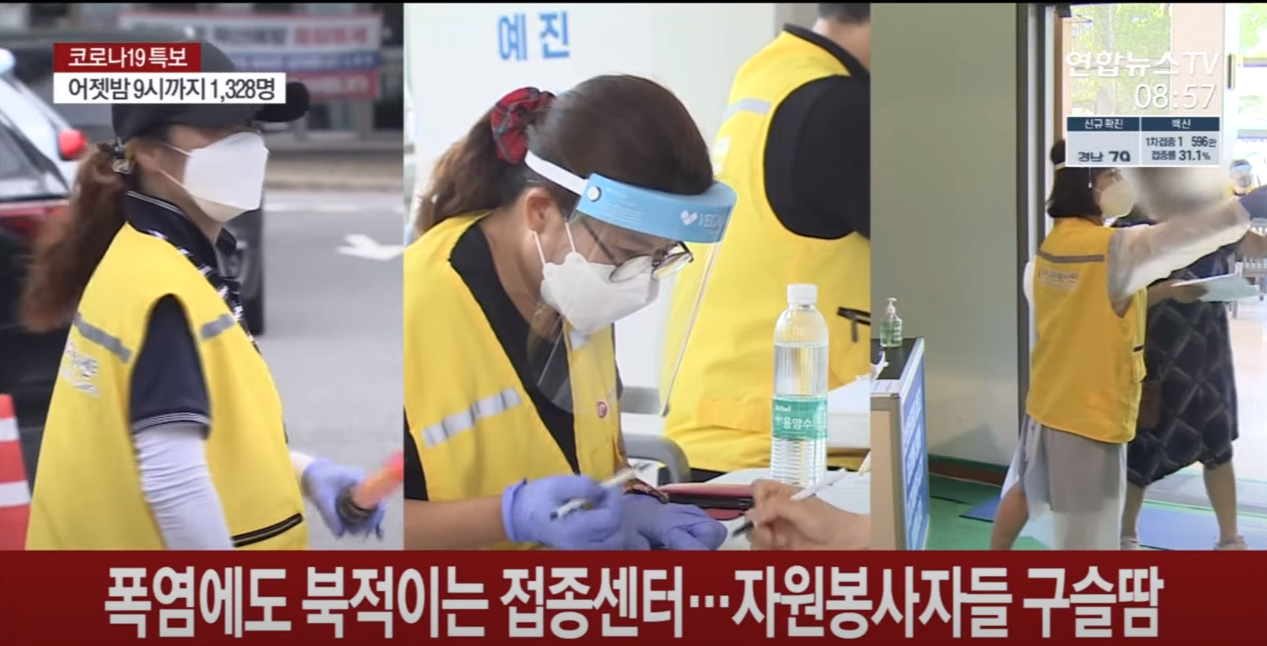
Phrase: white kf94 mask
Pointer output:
(586, 296)
(226, 178)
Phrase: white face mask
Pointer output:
(584, 294)
(226, 179)
(1117, 200)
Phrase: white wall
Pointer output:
(944, 210)
(692, 48)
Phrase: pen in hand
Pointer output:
(619, 480)
(828, 480)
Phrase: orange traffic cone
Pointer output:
(15, 493)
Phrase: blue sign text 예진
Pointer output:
(521, 35)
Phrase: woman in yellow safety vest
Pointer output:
(551, 220)
(795, 144)
(1088, 287)
(165, 428)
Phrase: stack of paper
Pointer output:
(1223, 289)
(849, 416)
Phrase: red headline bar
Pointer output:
(923, 598)
(126, 58)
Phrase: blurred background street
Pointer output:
(318, 262)
(334, 330)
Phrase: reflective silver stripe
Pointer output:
(759, 107)
(102, 338)
(467, 419)
(222, 324)
(1070, 260)
(14, 494)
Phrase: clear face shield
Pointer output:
(1243, 180)
(611, 259)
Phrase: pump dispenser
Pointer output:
(891, 326)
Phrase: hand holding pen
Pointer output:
(617, 481)
(769, 488)
(545, 511)
(785, 518)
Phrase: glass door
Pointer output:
(1194, 60)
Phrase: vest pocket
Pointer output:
(857, 318)
(265, 533)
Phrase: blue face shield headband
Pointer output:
(623, 275)
(685, 218)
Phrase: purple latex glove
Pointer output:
(650, 523)
(528, 514)
(323, 482)
(1256, 203)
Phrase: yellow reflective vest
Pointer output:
(476, 429)
(1087, 366)
(89, 493)
(720, 403)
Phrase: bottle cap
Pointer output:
(892, 306)
(801, 294)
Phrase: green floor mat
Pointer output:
(961, 491)
(948, 530)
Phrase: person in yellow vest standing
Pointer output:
(550, 221)
(1244, 180)
(1088, 287)
(795, 145)
(165, 429)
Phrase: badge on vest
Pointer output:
(602, 409)
(79, 370)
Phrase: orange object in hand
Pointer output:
(361, 500)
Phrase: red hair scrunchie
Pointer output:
(510, 119)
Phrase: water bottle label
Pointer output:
(800, 418)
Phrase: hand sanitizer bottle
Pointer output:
(891, 327)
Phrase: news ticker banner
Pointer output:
(1168, 109)
(925, 598)
(1142, 141)
(171, 73)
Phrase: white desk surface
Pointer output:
(848, 418)
(852, 493)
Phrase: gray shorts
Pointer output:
(1081, 482)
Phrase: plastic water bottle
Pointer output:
(798, 450)
(891, 327)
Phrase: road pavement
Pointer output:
(333, 337)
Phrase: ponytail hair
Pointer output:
(628, 129)
(70, 245)
(485, 169)
(468, 177)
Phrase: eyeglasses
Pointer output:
(662, 263)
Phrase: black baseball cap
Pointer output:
(137, 119)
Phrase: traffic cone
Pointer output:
(15, 493)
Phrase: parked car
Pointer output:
(45, 128)
(31, 190)
(33, 54)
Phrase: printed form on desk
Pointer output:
(851, 493)
(849, 415)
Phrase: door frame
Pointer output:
(1038, 37)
